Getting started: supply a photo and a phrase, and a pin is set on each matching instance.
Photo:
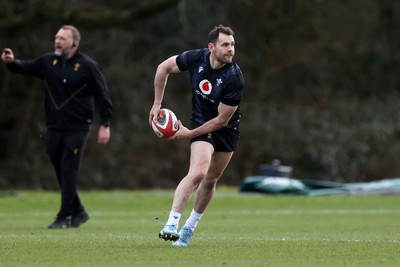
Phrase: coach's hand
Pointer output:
(103, 136)
(7, 56)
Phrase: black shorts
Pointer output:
(223, 140)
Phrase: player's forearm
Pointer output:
(160, 81)
(209, 127)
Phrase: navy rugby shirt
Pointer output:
(71, 86)
(210, 87)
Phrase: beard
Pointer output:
(224, 59)
(61, 52)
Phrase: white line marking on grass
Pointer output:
(315, 211)
(289, 239)
(227, 212)
(95, 213)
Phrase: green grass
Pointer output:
(236, 230)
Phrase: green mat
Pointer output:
(311, 187)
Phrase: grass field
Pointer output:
(236, 230)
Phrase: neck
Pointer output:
(215, 64)
(71, 54)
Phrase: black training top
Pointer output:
(210, 87)
(71, 87)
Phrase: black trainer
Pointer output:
(80, 218)
(60, 223)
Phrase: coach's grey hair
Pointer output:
(76, 35)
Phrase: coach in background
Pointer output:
(72, 81)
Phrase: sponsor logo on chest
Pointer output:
(205, 88)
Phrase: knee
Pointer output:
(198, 176)
(210, 181)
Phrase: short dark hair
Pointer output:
(214, 33)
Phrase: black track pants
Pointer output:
(65, 149)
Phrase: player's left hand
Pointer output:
(182, 133)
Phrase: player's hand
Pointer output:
(7, 56)
(154, 113)
(182, 133)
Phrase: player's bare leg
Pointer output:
(203, 196)
(201, 153)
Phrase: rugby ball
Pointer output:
(166, 124)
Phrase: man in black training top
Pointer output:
(72, 83)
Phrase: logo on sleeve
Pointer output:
(206, 87)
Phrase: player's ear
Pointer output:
(210, 46)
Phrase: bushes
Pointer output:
(320, 93)
(350, 140)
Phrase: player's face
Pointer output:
(224, 48)
(63, 42)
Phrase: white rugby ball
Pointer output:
(166, 124)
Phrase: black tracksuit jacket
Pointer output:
(71, 88)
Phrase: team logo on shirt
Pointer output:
(205, 86)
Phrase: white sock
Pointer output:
(174, 218)
(193, 219)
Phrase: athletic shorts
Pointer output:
(223, 140)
